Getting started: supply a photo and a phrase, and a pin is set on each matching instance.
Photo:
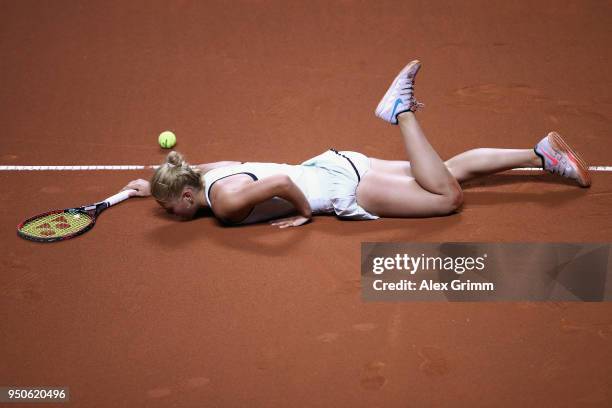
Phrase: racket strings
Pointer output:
(56, 224)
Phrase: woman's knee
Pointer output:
(456, 198)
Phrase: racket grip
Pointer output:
(119, 197)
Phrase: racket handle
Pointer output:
(119, 197)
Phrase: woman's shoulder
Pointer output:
(223, 198)
(223, 184)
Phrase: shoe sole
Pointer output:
(381, 104)
(583, 170)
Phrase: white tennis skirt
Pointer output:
(343, 172)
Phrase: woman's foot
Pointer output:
(400, 95)
(559, 158)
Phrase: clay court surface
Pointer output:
(147, 311)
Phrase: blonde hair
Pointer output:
(172, 176)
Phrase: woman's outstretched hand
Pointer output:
(291, 221)
(142, 187)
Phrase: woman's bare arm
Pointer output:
(234, 204)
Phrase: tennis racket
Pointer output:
(59, 225)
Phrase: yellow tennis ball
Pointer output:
(166, 139)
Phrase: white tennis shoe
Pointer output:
(559, 158)
(400, 95)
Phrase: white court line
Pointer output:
(591, 168)
(141, 167)
(75, 168)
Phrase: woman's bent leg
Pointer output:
(391, 195)
(426, 166)
(431, 191)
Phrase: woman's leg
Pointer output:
(470, 164)
(485, 161)
(390, 195)
(427, 167)
(432, 189)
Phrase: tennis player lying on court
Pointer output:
(346, 183)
